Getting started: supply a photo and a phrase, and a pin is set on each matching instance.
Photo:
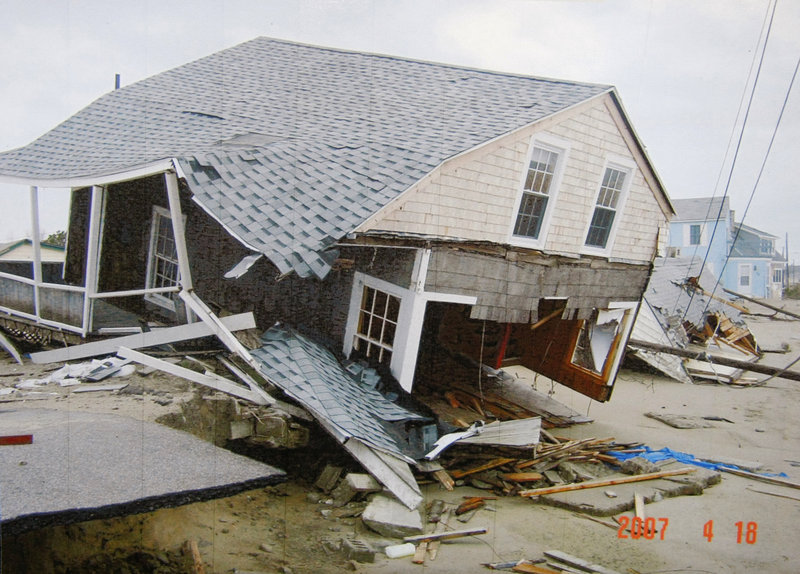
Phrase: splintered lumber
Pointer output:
(191, 550)
(419, 553)
(762, 303)
(445, 535)
(577, 562)
(470, 504)
(488, 466)
(606, 482)
(533, 569)
(433, 546)
(444, 479)
(762, 478)
(521, 476)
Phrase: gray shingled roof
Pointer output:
(311, 375)
(291, 146)
(700, 209)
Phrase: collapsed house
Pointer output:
(680, 310)
(429, 223)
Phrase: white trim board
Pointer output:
(139, 340)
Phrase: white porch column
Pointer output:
(179, 233)
(37, 250)
(93, 249)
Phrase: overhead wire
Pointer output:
(761, 170)
(765, 34)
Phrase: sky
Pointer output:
(681, 68)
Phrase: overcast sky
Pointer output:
(681, 69)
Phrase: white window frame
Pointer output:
(628, 167)
(687, 234)
(555, 145)
(160, 299)
(745, 270)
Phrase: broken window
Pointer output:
(596, 340)
(605, 210)
(377, 324)
(162, 261)
(536, 192)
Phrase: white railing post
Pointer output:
(37, 251)
(93, 254)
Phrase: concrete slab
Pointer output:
(83, 466)
(387, 516)
(596, 502)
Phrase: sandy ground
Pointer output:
(285, 528)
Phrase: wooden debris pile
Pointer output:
(554, 461)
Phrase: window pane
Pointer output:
(531, 213)
(600, 227)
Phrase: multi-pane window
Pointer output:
(536, 192)
(377, 324)
(606, 208)
(744, 275)
(695, 234)
(777, 275)
(162, 265)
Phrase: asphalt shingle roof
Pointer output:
(291, 146)
(312, 375)
(701, 209)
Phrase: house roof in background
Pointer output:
(291, 146)
(701, 209)
(22, 250)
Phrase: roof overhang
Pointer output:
(127, 174)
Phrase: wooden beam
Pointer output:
(550, 316)
(445, 535)
(207, 379)
(139, 340)
(93, 248)
(725, 361)
(606, 482)
(37, 253)
(16, 439)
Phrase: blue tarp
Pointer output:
(686, 458)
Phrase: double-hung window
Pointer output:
(695, 234)
(609, 201)
(162, 261)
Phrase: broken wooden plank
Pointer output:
(522, 476)
(519, 432)
(208, 379)
(97, 388)
(141, 340)
(579, 563)
(419, 553)
(9, 346)
(761, 477)
(638, 505)
(15, 439)
(192, 551)
(762, 303)
(488, 466)
(441, 526)
(444, 479)
(445, 535)
(528, 568)
(606, 482)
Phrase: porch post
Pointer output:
(37, 251)
(179, 233)
(93, 255)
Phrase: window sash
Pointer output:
(163, 269)
(536, 192)
(377, 324)
(606, 208)
(695, 234)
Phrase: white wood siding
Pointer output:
(474, 196)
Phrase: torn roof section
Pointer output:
(312, 375)
(668, 293)
(290, 146)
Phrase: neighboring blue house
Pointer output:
(755, 268)
(706, 225)
(695, 226)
